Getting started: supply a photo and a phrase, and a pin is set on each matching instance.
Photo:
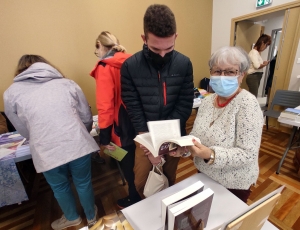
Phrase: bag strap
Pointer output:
(157, 169)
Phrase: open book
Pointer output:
(191, 213)
(164, 136)
(179, 196)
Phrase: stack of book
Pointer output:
(9, 143)
(289, 113)
(188, 208)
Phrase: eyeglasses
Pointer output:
(227, 72)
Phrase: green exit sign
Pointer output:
(260, 3)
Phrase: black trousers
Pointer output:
(127, 165)
(253, 82)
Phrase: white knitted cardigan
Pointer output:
(235, 137)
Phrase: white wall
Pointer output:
(224, 11)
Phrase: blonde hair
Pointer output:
(109, 41)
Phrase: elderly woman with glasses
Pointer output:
(229, 125)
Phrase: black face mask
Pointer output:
(158, 60)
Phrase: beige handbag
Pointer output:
(156, 182)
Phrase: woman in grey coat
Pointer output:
(53, 114)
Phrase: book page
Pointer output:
(145, 139)
(185, 140)
(163, 130)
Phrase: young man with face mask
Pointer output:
(157, 84)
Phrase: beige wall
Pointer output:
(64, 32)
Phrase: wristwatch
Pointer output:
(211, 158)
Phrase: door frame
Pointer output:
(293, 45)
(271, 50)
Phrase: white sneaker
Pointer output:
(64, 223)
(95, 219)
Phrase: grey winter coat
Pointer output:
(52, 112)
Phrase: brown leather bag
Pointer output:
(296, 160)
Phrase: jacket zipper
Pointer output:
(165, 93)
(164, 90)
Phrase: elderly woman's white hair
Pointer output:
(230, 55)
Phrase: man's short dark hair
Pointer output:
(160, 21)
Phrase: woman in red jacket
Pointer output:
(114, 123)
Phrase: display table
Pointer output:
(291, 144)
(11, 187)
(146, 214)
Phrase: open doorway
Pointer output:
(246, 34)
(272, 56)
(285, 69)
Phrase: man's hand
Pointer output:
(152, 159)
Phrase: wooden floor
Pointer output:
(42, 208)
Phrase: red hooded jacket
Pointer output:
(113, 120)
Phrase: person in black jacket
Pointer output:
(157, 84)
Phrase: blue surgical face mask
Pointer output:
(224, 86)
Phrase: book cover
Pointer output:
(192, 213)
(179, 196)
(118, 154)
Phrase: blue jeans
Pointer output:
(58, 179)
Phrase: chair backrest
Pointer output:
(286, 98)
(255, 218)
